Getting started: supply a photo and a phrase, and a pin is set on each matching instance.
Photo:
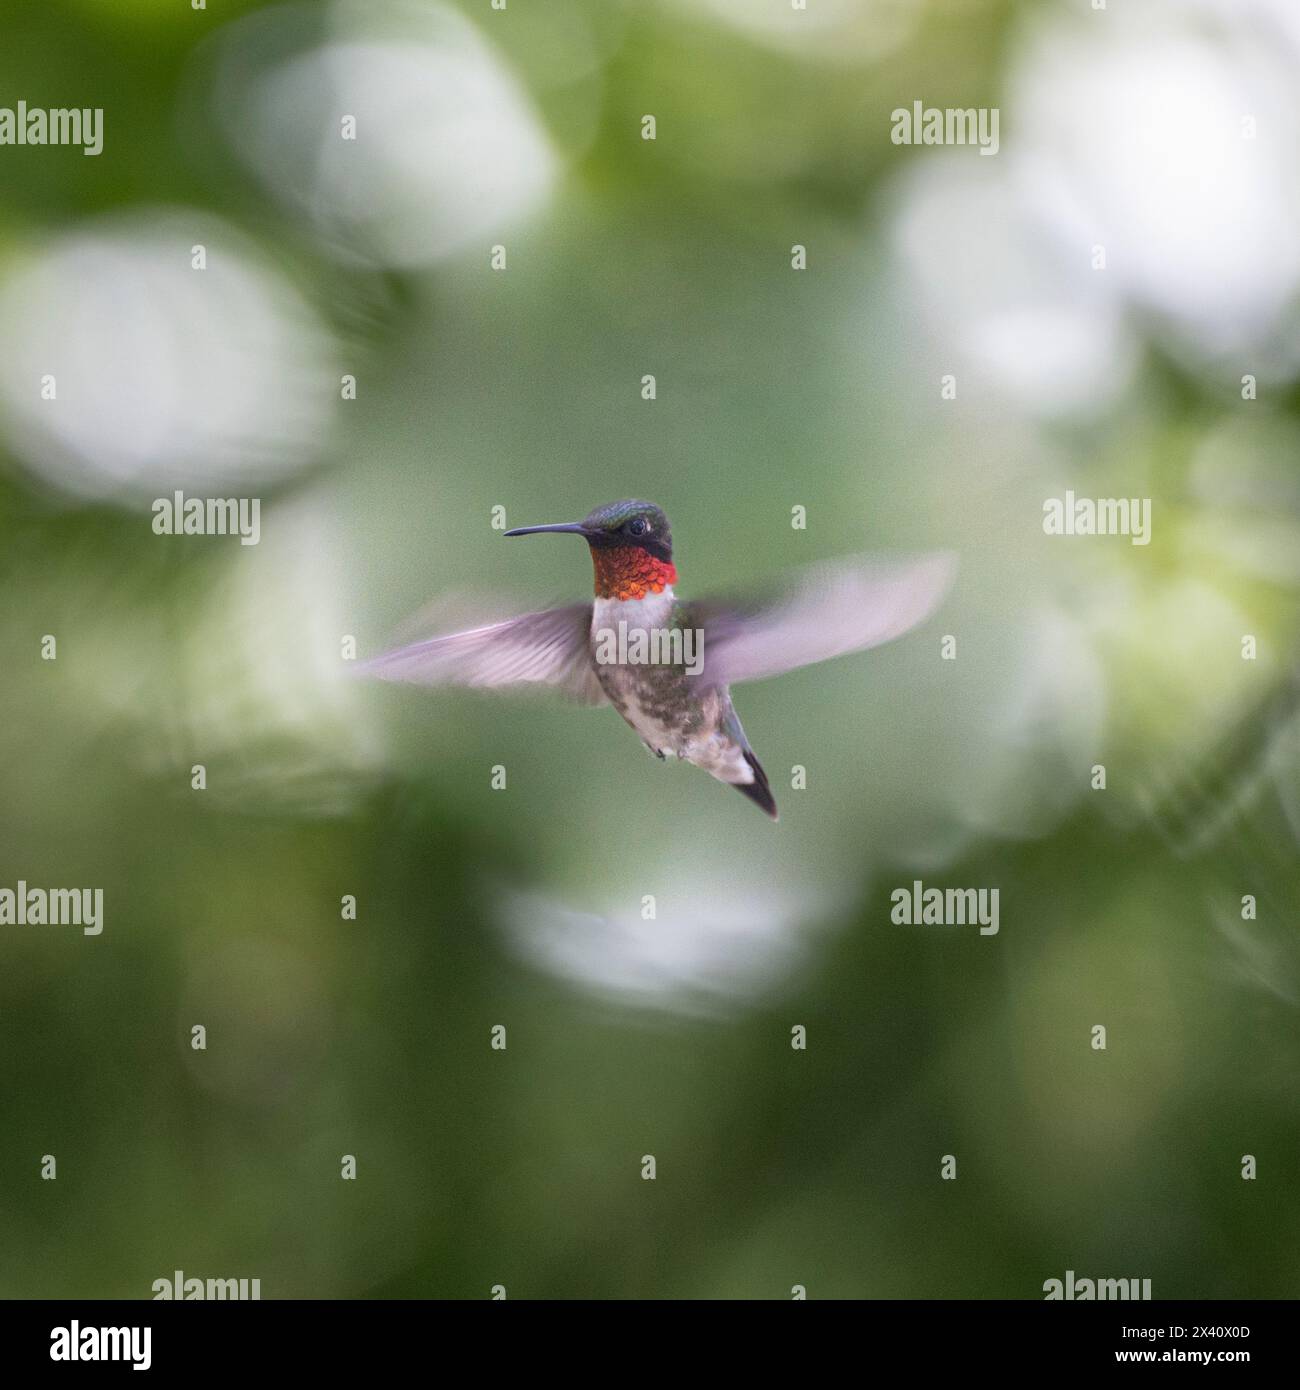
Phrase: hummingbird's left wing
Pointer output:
(827, 611)
(547, 648)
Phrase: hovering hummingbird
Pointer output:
(667, 665)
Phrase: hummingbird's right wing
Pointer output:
(829, 610)
(547, 648)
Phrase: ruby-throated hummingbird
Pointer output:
(665, 664)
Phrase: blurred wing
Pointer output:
(828, 611)
(548, 648)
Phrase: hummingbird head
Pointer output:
(631, 547)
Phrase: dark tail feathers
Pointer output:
(758, 791)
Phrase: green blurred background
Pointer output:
(776, 388)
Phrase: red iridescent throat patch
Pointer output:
(627, 571)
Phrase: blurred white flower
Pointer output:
(1161, 138)
(400, 139)
(1168, 135)
(1045, 328)
(266, 700)
(163, 375)
(707, 947)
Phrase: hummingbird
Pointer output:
(666, 664)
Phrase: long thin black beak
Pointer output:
(568, 527)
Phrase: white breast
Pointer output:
(652, 611)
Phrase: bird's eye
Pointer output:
(637, 526)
